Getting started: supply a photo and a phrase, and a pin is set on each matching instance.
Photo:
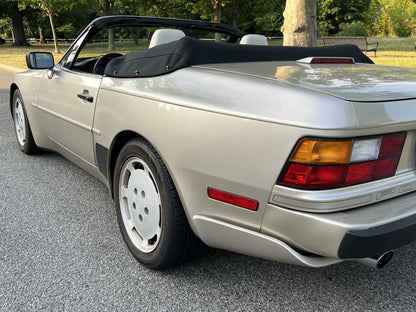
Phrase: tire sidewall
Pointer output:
(138, 148)
(25, 147)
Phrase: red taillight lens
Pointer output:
(315, 176)
(330, 60)
(385, 168)
(359, 173)
(391, 145)
(233, 199)
(369, 159)
(327, 60)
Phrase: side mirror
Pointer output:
(39, 60)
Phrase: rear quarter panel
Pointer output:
(213, 130)
(201, 149)
(224, 131)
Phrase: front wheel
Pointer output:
(21, 125)
(149, 211)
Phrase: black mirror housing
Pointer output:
(39, 60)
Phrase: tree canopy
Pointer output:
(66, 18)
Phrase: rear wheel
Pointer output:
(21, 125)
(150, 215)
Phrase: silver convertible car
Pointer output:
(301, 155)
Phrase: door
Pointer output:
(67, 101)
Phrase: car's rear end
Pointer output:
(346, 191)
(309, 162)
(346, 198)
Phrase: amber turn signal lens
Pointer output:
(322, 152)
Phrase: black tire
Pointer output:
(149, 211)
(22, 129)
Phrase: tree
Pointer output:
(208, 9)
(10, 8)
(333, 13)
(393, 17)
(299, 28)
(108, 7)
(37, 25)
(51, 8)
(261, 16)
(130, 7)
(217, 16)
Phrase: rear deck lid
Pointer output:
(353, 82)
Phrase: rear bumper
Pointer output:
(219, 234)
(356, 233)
(317, 240)
(377, 240)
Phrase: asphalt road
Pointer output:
(61, 250)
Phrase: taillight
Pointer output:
(327, 60)
(323, 164)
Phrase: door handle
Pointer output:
(85, 95)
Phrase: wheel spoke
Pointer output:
(123, 191)
(130, 167)
(146, 171)
(21, 122)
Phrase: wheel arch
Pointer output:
(13, 88)
(117, 144)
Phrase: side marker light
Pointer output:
(233, 199)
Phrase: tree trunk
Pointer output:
(108, 6)
(18, 30)
(300, 28)
(41, 36)
(111, 44)
(234, 13)
(136, 36)
(217, 16)
(55, 40)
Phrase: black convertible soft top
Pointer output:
(166, 58)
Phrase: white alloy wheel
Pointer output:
(149, 211)
(140, 204)
(19, 122)
(21, 125)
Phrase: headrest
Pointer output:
(165, 35)
(254, 40)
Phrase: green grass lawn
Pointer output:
(395, 58)
(16, 56)
(391, 51)
(394, 44)
(394, 51)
